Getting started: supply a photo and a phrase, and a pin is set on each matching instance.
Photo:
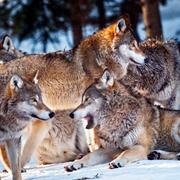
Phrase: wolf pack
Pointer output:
(111, 99)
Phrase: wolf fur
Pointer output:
(20, 103)
(62, 83)
(158, 79)
(128, 128)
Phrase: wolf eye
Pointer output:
(86, 99)
(33, 101)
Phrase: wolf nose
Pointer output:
(146, 60)
(51, 114)
(71, 115)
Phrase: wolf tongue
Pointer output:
(89, 120)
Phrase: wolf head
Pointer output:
(93, 101)
(23, 99)
(8, 51)
(118, 48)
(125, 45)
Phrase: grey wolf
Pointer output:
(128, 128)
(21, 102)
(158, 79)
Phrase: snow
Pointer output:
(142, 170)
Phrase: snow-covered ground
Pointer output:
(144, 170)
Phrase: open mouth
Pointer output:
(34, 116)
(135, 62)
(90, 121)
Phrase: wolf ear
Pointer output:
(107, 79)
(135, 44)
(8, 44)
(16, 82)
(121, 25)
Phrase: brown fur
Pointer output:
(125, 123)
(65, 141)
(62, 83)
(39, 129)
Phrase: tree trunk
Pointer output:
(152, 20)
(76, 21)
(133, 9)
(101, 13)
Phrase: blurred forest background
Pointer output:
(47, 25)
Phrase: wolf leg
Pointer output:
(14, 152)
(136, 153)
(4, 158)
(160, 154)
(93, 158)
(37, 134)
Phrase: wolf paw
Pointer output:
(116, 164)
(73, 167)
(154, 155)
(4, 171)
(178, 156)
(23, 170)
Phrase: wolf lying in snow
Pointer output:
(128, 128)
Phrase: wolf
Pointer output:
(8, 51)
(158, 79)
(44, 155)
(90, 58)
(71, 140)
(21, 102)
(65, 81)
(128, 128)
(73, 149)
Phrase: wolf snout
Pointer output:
(51, 114)
(71, 115)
